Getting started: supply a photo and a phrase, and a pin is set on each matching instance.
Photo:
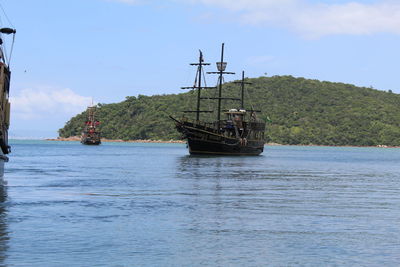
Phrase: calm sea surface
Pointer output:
(65, 204)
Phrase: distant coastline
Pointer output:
(77, 138)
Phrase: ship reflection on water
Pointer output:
(242, 168)
(225, 216)
(3, 225)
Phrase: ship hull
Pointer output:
(90, 138)
(3, 159)
(204, 141)
(91, 143)
(203, 147)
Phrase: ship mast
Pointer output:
(242, 83)
(200, 69)
(197, 85)
(91, 111)
(221, 66)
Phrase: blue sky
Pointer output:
(67, 52)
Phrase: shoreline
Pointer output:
(77, 138)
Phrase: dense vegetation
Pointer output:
(301, 112)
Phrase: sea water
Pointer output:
(131, 204)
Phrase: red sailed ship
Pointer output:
(240, 133)
(90, 134)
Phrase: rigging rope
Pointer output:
(5, 15)
(195, 79)
(209, 107)
(7, 58)
(11, 50)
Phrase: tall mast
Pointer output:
(221, 66)
(198, 85)
(91, 114)
(221, 71)
(242, 89)
(199, 71)
(242, 83)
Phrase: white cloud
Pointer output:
(316, 19)
(44, 102)
(310, 19)
(350, 18)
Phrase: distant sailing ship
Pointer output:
(241, 133)
(90, 133)
(5, 75)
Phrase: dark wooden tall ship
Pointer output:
(240, 133)
(5, 75)
(91, 134)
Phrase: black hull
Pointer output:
(204, 141)
(203, 147)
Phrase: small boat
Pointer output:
(240, 133)
(5, 75)
(90, 133)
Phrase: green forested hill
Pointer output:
(301, 111)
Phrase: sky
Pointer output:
(67, 53)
